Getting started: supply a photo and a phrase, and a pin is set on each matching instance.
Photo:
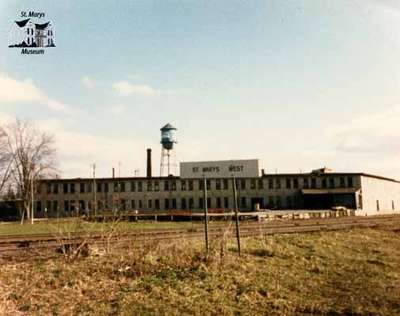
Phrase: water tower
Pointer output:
(167, 147)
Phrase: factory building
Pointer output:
(319, 189)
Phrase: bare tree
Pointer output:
(33, 156)
(5, 161)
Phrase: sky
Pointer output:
(297, 84)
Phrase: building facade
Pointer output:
(320, 189)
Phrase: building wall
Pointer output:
(379, 196)
(270, 191)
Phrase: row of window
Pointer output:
(166, 204)
(189, 185)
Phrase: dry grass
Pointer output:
(353, 273)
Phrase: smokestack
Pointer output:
(113, 173)
(148, 170)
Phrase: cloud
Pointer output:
(13, 91)
(117, 109)
(88, 82)
(125, 88)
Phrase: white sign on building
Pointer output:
(244, 168)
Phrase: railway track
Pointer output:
(38, 242)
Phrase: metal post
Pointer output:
(236, 213)
(94, 190)
(205, 212)
(32, 215)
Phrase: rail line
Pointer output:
(37, 242)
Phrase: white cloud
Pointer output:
(13, 90)
(125, 88)
(117, 109)
(88, 82)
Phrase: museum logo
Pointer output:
(31, 35)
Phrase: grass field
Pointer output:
(78, 225)
(353, 272)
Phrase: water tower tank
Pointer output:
(168, 136)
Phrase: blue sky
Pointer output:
(297, 84)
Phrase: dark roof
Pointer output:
(42, 26)
(22, 23)
(166, 127)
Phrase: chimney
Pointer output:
(148, 169)
(113, 173)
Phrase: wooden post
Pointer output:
(205, 212)
(236, 213)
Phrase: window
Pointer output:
(201, 203)
(209, 202)
(183, 204)
(305, 183)
(331, 182)
(173, 186)
(243, 184)
(66, 206)
(72, 188)
(243, 202)
(208, 183)
(278, 201)
(140, 204)
(191, 203)
(341, 180)
(295, 183)
(116, 187)
(106, 187)
(289, 202)
(89, 187)
(218, 184)
(323, 183)
(278, 183)
(98, 184)
(48, 188)
(253, 184)
(183, 185)
(150, 204)
(157, 204)
(149, 186)
(288, 184)
(219, 204)
(122, 186)
(174, 204)
(350, 182)
(81, 187)
(28, 41)
(72, 206)
(140, 186)
(48, 206)
(166, 204)
(260, 184)
(38, 206)
(65, 188)
(313, 183)
(133, 204)
(270, 184)
(133, 186)
(156, 186)
(55, 206)
(190, 185)
(201, 184)
(166, 185)
(226, 202)
(225, 182)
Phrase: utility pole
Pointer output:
(94, 190)
(205, 212)
(236, 213)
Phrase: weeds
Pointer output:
(332, 273)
